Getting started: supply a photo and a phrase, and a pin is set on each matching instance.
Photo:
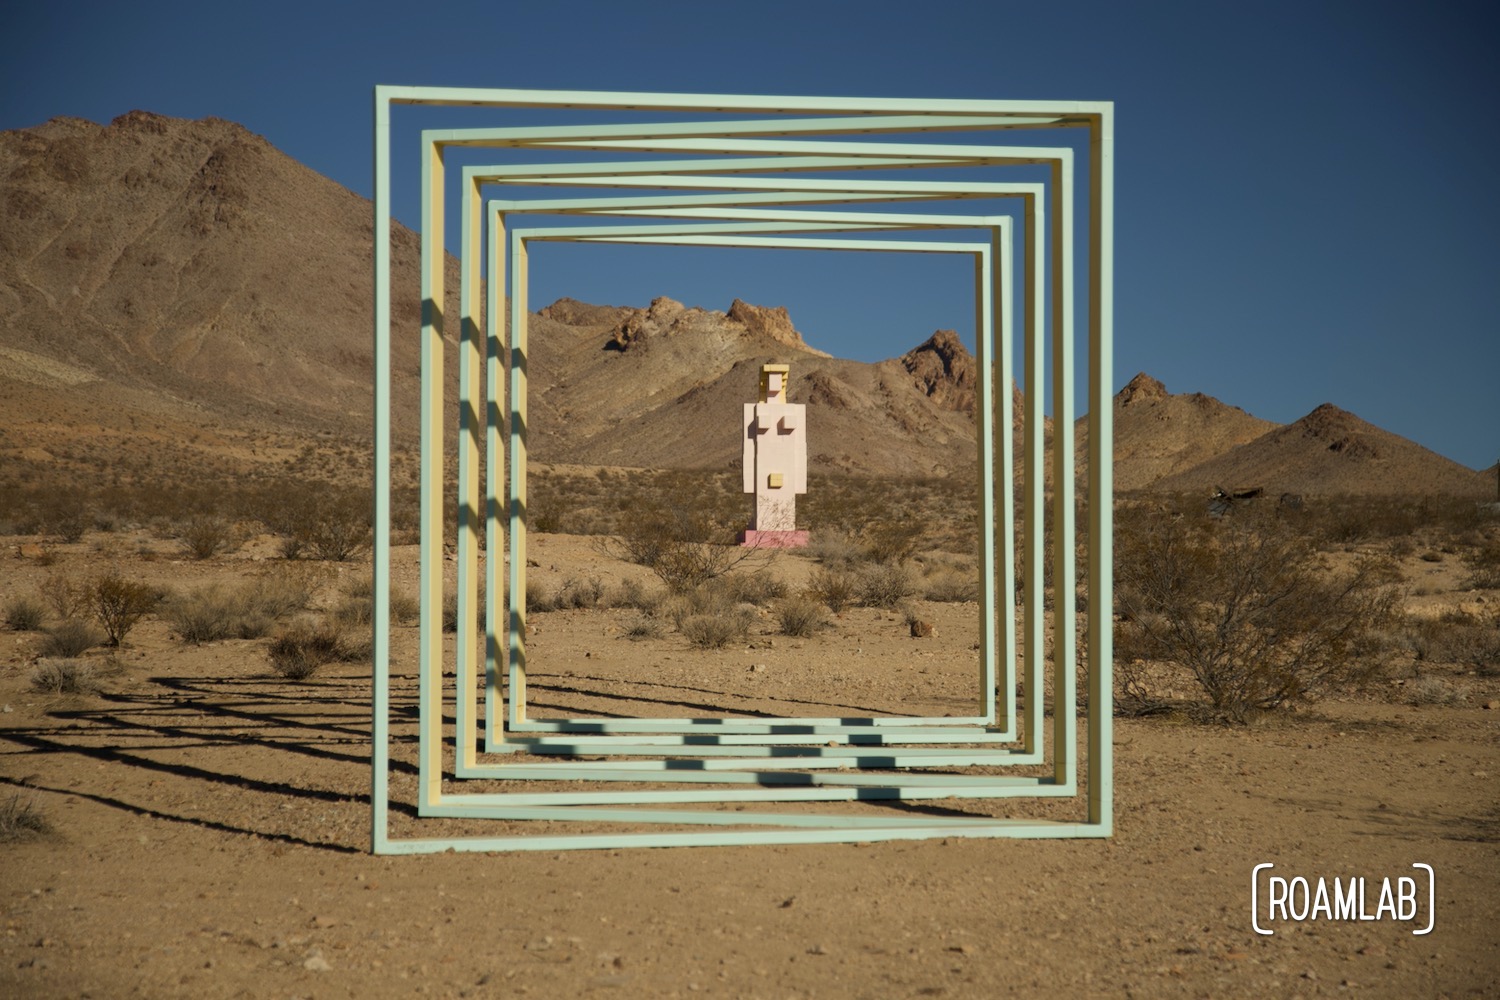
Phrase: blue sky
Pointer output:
(1305, 203)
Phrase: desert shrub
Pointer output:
(119, 604)
(538, 598)
(206, 614)
(206, 535)
(894, 540)
(704, 600)
(754, 588)
(886, 584)
(354, 611)
(298, 651)
(68, 515)
(1434, 691)
(24, 614)
(632, 593)
(580, 593)
(800, 616)
(715, 631)
(327, 523)
(835, 588)
(65, 597)
(644, 626)
(1243, 605)
(406, 609)
(21, 821)
(70, 638)
(1483, 563)
(684, 546)
(214, 612)
(1456, 638)
(835, 548)
(281, 591)
(64, 676)
(708, 616)
(951, 586)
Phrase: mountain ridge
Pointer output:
(190, 277)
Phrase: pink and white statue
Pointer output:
(775, 454)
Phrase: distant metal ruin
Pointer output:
(739, 171)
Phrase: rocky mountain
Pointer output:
(169, 284)
(187, 268)
(1330, 451)
(664, 386)
(1158, 434)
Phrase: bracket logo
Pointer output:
(1300, 899)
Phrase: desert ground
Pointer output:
(207, 823)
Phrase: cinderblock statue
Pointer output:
(775, 456)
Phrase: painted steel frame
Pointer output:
(465, 766)
(878, 115)
(1061, 158)
(807, 730)
(701, 235)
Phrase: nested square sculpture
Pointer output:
(750, 172)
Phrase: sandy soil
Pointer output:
(212, 822)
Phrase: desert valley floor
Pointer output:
(210, 826)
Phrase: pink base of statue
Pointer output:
(773, 539)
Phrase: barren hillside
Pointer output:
(664, 387)
(1332, 451)
(182, 288)
(185, 268)
(1158, 434)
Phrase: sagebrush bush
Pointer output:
(281, 591)
(24, 614)
(249, 611)
(298, 651)
(1434, 691)
(1483, 563)
(632, 593)
(325, 522)
(1245, 606)
(1457, 638)
(951, 587)
(408, 609)
(70, 638)
(886, 584)
(836, 588)
(799, 616)
(119, 604)
(206, 614)
(835, 549)
(893, 540)
(580, 593)
(206, 535)
(65, 597)
(64, 676)
(21, 820)
(644, 626)
(684, 546)
(715, 631)
(754, 588)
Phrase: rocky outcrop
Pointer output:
(1141, 389)
(1341, 432)
(661, 317)
(770, 323)
(944, 371)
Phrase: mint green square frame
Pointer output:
(895, 115)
